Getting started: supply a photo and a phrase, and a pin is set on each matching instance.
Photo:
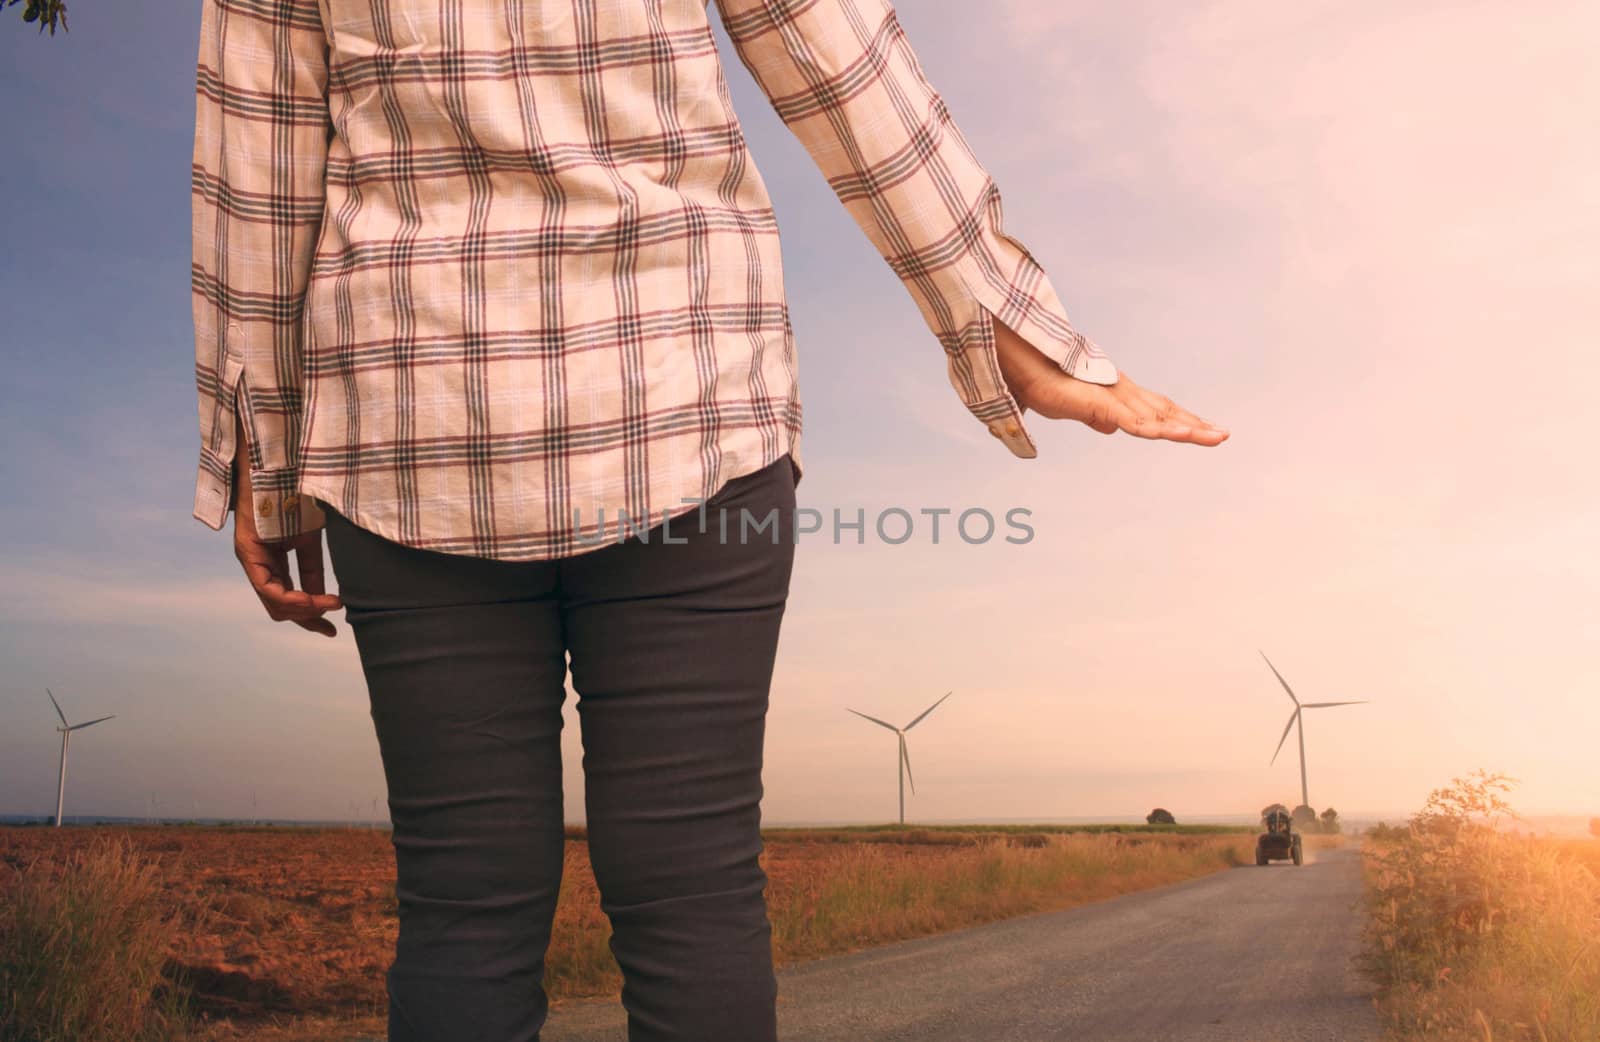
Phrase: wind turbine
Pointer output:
(66, 730)
(1296, 721)
(903, 762)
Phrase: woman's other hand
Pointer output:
(266, 564)
(1039, 384)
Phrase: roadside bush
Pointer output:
(1478, 932)
(83, 948)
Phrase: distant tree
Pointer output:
(1160, 816)
(1269, 808)
(1330, 821)
(48, 13)
(1305, 819)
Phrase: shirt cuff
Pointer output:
(212, 490)
(1009, 285)
(1003, 416)
(282, 511)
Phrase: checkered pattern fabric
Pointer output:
(501, 277)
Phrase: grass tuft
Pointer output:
(868, 893)
(1479, 932)
(83, 950)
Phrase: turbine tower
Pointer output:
(903, 760)
(1296, 721)
(66, 730)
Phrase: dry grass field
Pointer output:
(1481, 932)
(284, 934)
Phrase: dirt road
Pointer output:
(1245, 955)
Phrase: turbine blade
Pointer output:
(1327, 705)
(875, 720)
(1287, 728)
(906, 756)
(1282, 681)
(59, 713)
(79, 727)
(928, 710)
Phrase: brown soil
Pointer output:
(293, 928)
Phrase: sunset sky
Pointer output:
(1361, 236)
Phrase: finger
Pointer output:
(1200, 430)
(261, 568)
(1141, 425)
(308, 559)
(1104, 425)
(267, 566)
(1163, 407)
(318, 625)
(1182, 415)
(1178, 414)
(1097, 412)
(1146, 416)
(296, 604)
(1121, 413)
(1157, 403)
(1145, 424)
(1177, 430)
(1166, 409)
(1205, 432)
(1099, 407)
(308, 556)
(1135, 398)
(1207, 436)
(1109, 414)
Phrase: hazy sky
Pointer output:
(1361, 237)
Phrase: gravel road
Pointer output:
(1245, 955)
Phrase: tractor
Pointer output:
(1280, 842)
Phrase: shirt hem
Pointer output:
(564, 545)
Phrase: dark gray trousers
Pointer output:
(672, 650)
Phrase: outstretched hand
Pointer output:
(1039, 384)
(266, 564)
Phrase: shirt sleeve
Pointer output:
(260, 155)
(843, 77)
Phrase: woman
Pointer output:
(492, 291)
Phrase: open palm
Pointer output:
(1039, 384)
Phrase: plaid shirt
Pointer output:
(502, 279)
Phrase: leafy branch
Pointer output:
(48, 13)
